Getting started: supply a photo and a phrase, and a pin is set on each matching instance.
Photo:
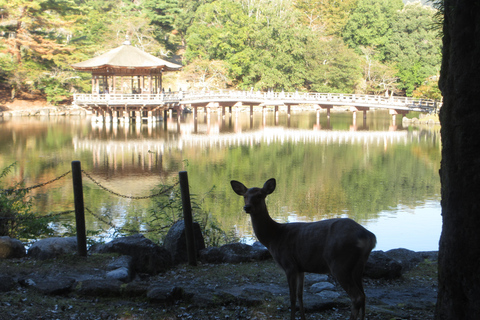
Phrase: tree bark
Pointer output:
(459, 254)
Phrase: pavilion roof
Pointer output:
(126, 57)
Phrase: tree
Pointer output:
(459, 263)
(206, 74)
(36, 42)
(328, 16)
(369, 25)
(331, 66)
(414, 46)
(264, 47)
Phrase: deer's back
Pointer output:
(312, 246)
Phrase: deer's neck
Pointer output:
(265, 228)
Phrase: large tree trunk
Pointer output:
(459, 255)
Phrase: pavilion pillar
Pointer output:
(108, 115)
(126, 115)
(138, 116)
(149, 116)
(161, 80)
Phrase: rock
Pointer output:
(11, 248)
(121, 262)
(54, 286)
(175, 241)
(380, 265)
(327, 295)
(6, 283)
(120, 269)
(52, 247)
(165, 294)
(147, 256)
(211, 255)
(121, 274)
(407, 258)
(100, 288)
(234, 253)
(312, 278)
(321, 286)
(324, 301)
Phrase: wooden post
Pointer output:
(79, 208)
(187, 217)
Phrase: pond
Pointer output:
(379, 173)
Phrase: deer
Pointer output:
(338, 246)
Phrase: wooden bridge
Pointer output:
(124, 107)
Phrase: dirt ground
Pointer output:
(410, 297)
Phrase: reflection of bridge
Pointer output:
(148, 153)
(123, 107)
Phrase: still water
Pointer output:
(379, 173)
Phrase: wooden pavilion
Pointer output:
(126, 84)
(126, 69)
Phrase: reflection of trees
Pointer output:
(395, 177)
(317, 181)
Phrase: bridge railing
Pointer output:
(257, 96)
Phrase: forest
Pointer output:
(383, 47)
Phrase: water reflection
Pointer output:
(370, 169)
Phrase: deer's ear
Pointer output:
(269, 186)
(238, 187)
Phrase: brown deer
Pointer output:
(337, 246)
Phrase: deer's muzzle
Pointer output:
(248, 208)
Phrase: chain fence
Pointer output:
(100, 218)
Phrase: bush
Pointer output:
(16, 218)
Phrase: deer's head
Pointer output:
(254, 197)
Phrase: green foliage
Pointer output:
(414, 46)
(275, 44)
(370, 23)
(332, 67)
(167, 209)
(16, 219)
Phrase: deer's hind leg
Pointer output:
(349, 276)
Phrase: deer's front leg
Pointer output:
(300, 280)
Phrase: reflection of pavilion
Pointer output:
(146, 154)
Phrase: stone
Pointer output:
(53, 247)
(407, 258)
(175, 241)
(54, 286)
(380, 265)
(165, 294)
(6, 283)
(11, 248)
(321, 286)
(147, 257)
(121, 262)
(234, 253)
(121, 274)
(99, 288)
(312, 278)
